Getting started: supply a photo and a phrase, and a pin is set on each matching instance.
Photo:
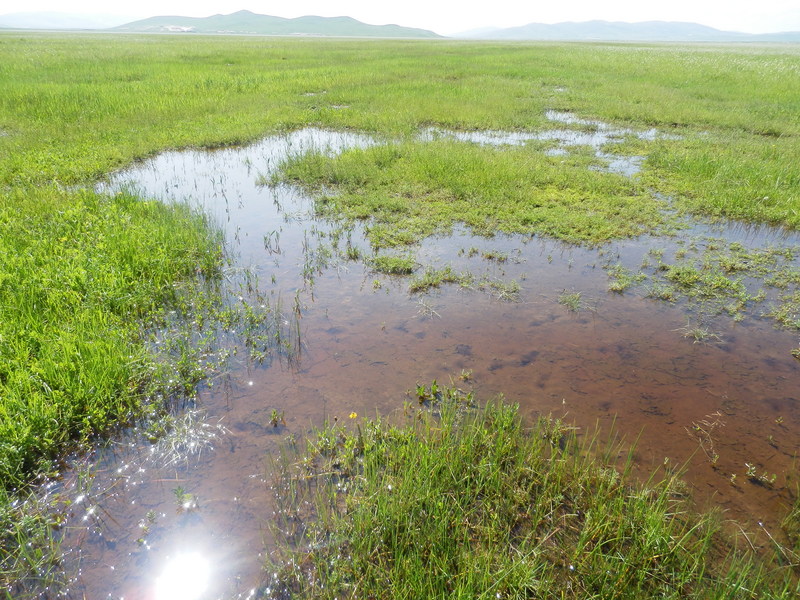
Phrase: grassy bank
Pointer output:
(84, 278)
(470, 504)
(82, 275)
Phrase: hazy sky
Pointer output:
(451, 16)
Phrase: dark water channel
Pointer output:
(619, 360)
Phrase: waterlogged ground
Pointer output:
(199, 499)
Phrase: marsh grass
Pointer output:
(572, 300)
(791, 523)
(495, 255)
(712, 276)
(620, 278)
(177, 438)
(733, 175)
(432, 278)
(393, 265)
(266, 326)
(700, 334)
(30, 552)
(500, 289)
(211, 91)
(81, 280)
(408, 191)
(469, 503)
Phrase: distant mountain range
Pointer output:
(648, 31)
(245, 21)
(241, 22)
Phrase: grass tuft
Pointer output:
(572, 300)
(433, 278)
(393, 265)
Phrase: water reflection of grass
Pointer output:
(471, 504)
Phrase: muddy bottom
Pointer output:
(620, 361)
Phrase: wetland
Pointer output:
(569, 254)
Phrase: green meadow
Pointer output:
(85, 278)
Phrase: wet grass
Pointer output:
(433, 278)
(31, 557)
(86, 280)
(468, 503)
(791, 523)
(408, 191)
(734, 108)
(737, 175)
(700, 334)
(393, 265)
(620, 278)
(572, 300)
(81, 280)
(501, 289)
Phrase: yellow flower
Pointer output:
(353, 415)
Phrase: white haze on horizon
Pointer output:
(451, 17)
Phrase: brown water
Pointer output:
(620, 360)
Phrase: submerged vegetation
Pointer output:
(712, 276)
(471, 504)
(95, 285)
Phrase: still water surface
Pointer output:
(620, 360)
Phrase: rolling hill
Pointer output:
(246, 22)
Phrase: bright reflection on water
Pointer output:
(185, 577)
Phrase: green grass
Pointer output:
(495, 255)
(433, 278)
(713, 276)
(408, 191)
(471, 504)
(735, 108)
(84, 279)
(732, 174)
(81, 278)
(572, 300)
(791, 523)
(393, 265)
(621, 278)
(30, 555)
(699, 334)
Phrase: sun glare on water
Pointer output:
(185, 577)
